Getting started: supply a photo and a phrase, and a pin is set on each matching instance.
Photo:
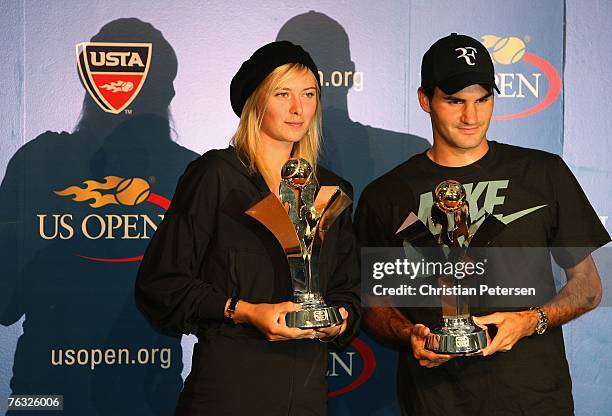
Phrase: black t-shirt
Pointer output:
(535, 194)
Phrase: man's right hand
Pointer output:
(426, 358)
(269, 319)
(389, 325)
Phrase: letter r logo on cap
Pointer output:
(468, 53)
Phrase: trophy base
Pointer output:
(314, 317)
(459, 335)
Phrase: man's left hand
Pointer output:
(511, 327)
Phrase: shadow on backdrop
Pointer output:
(83, 336)
(357, 152)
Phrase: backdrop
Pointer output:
(79, 134)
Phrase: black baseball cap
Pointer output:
(455, 62)
(263, 61)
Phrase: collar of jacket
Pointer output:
(231, 157)
(324, 177)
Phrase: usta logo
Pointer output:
(102, 58)
(113, 73)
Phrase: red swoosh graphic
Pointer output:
(111, 260)
(369, 364)
(159, 200)
(554, 87)
(155, 199)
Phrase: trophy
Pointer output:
(450, 214)
(299, 221)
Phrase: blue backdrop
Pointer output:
(69, 325)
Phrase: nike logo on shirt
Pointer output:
(507, 219)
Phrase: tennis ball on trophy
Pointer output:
(508, 50)
(127, 86)
(132, 191)
(449, 196)
(296, 173)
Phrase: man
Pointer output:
(523, 369)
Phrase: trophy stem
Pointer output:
(452, 305)
(308, 262)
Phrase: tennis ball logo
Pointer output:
(132, 191)
(506, 50)
(127, 87)
(114, 190)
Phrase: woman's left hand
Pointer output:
(325, 334)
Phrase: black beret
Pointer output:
(261, 64)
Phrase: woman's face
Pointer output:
(290, 109)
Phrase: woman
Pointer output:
(213, 271)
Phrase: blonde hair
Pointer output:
(247, 137)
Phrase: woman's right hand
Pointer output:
(269, 319)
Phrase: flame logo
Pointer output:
(118, 86)
(130, 191)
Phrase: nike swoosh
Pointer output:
(507, 219)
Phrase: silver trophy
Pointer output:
(450, 214)
(299, 221)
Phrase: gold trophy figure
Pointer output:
(299, 221)
(450, 214)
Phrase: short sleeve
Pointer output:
(578, 230)
(377, 218)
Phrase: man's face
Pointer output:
(459, 120)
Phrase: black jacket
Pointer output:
(206, 250)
